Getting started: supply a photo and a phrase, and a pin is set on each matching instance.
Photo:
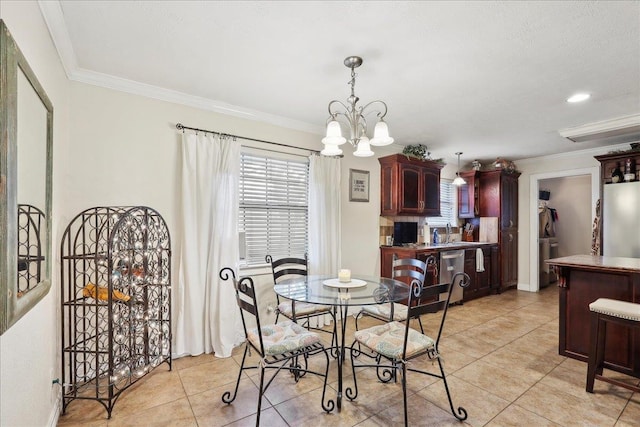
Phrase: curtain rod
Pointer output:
(182, 127)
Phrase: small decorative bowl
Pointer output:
(629, 177)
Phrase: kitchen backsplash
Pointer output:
(386, 229)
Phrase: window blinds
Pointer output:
(273, 207)
(448, 205)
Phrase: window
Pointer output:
(273, 214)
(448, 205)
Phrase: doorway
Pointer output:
(562, 181)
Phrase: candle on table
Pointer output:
(344, 275)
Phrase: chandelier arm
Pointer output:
(335, 101)
(380, 114)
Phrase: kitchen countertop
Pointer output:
(452, 246)
(595, 262)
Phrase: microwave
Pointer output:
(405, 233)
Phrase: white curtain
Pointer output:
(324, 215)
(324, 218)
(205, 311)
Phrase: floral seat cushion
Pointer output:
(384, 311)
(282, 338)
(302, 309)
(388, 340)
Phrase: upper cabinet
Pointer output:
(409, 186)
(499, 196)
(469, 195)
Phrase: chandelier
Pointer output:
(354, 117)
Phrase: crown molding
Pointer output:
(620, 127)
(54, 18)
(568, 154)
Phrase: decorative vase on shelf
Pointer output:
(616, 175)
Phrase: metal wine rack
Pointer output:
(116, 301)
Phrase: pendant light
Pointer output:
(458, 181)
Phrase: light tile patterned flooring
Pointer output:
(502, 363)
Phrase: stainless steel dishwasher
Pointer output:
(451, 262)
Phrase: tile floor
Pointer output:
(502, 363)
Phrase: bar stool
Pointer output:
(605, 310)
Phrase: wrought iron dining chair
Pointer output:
(285, 268)
(281, 346)
(423, 272)
(394, 344)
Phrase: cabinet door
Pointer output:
(509, 258)
(509, 202)
(465, 201)
(431, 192)
(410, 188)
(470, 269)
(490, 193)
(388, 190)
(468, 195)
(484, 277)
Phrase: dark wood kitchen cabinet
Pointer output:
(499, 198)
(409, 186)
(469, 195)
(481, 281)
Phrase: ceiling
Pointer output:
(486, 78)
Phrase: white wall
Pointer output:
(571, 197)
(534, 169)
(28, 350)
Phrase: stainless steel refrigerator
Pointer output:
(621, 220)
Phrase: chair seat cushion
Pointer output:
(282, 338)
(302, 309)
(388, 340)
(383, 311)
(621, 309)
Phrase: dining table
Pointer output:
(329, 290)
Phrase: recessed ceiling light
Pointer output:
(579, 97)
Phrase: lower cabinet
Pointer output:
(508, 259)
(481, 281)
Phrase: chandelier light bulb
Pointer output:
(334, 134)
(381, 135)
(331, 150)
(364, 149)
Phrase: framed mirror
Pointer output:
(26, 138)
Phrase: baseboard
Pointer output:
(524, 287)
(55, 414)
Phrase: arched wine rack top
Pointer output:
(99, 230)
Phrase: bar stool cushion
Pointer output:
(282, 338)
(615, 308)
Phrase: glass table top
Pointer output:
(312, 289)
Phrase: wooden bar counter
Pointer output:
(583, 279)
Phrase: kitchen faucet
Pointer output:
(448, 235)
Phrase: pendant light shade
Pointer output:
(458, 181)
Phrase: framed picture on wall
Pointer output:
(358, 185)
